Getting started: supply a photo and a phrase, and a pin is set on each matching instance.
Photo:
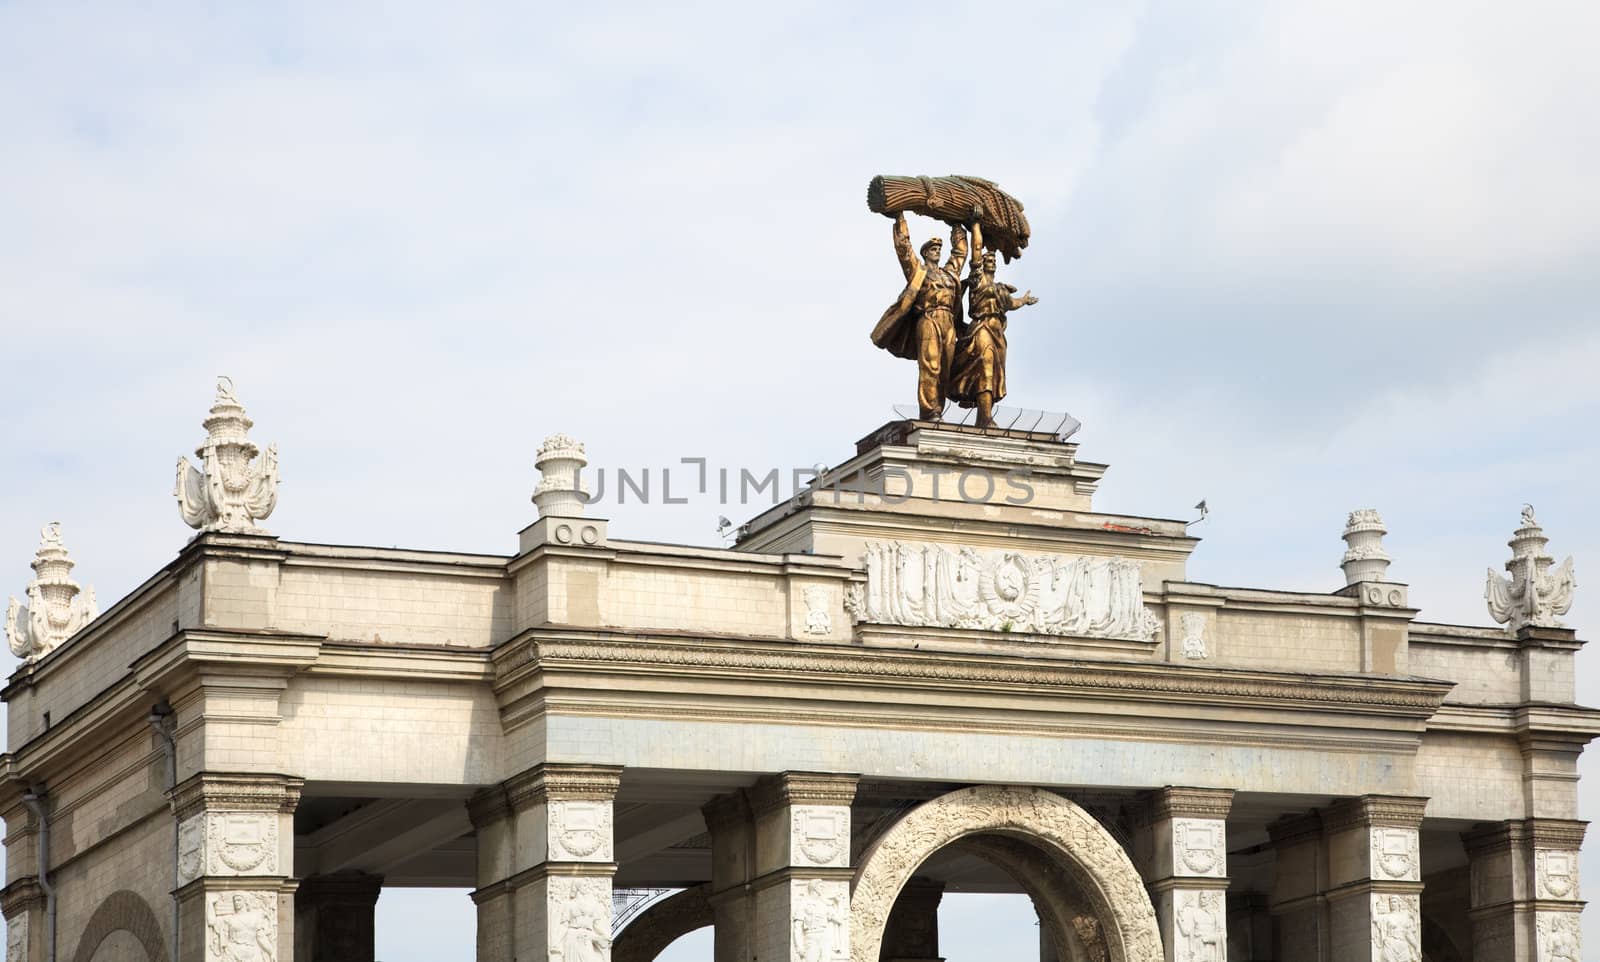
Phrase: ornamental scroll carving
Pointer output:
(820, 835)
(580, 910)
(1112, 887)
(579, 831)
(1556, 872)
(942, 587)
(1395, 854)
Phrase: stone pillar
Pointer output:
(333, 917)
(1300, 874)
(235, 864)
(23, 904)
(733, 846)
(1183, 852)
(802, 853)
(1524, 890)
(545, 864)
(1374, 877)
(912, 933)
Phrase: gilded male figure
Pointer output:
(980, 360)
(923, 321)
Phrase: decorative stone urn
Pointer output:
(55, 611)
(230, 491)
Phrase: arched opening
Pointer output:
(127, 917)
(662, 924)
(1088, 894)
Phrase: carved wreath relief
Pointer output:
(579, 831)
(580, 912)
(820, 835)
(227, 844)
(1007, 591)
(1560, 937)
(242, 927)
(1394, 854)
(1200, 918)
(1556, 873)
(820, 913)
(1198, 845)
(17, 938)
(1396, 928)
(818, 620)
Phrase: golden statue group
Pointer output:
(957, 360)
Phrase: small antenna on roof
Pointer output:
(1201, 507)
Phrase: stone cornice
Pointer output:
(20, 896)
(488, 806)
(544, 783)
(193, 653)
(1369, 811)
(605, 652)
(802, 788)
(1180, 802)
(723, 811)
(235, 792)
(1555, 833)
(1295, 829)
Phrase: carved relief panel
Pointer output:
(580, 919)
(819, 912)
(227, 844)
(580, 831)
(819, 835)
(17, 938)
(242, 927)
(1560, 937)
(1395, 854)
(1200, 926)
(1396, 927)
(1556, 874)
(1199, 847)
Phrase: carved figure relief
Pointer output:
(579, 831)
(1199, 844)
(820, 912)
(939, 586)
(820, 834)
(1201, 921)
(54, 611)
(1560, 937)
(818, 620)
(1557, 873)
(1194, 635)
(1083, 848)
(1395, 854)
(580, 910)
(230, 491)
(1396, 928)
(17, 938)
(242, 927)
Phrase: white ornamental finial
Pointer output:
(1364, 557)
(560, 493)
(1533, 595)
(54, 611)
(228, 493)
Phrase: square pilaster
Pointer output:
(802, 861)
(1374, 877)
(1182, 847)
(1524, 889)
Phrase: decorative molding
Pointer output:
(819, 835)
(228, 492)
(1199, 848)
(910, 583)
(580, 919)
(1534, 595)
(1200, 923)
(242, 926)
(1176, 801)
(543, 783)
(1390, 811)
(801, 788)
(1395, 854)
(1193, 624)
(1556, 874)
(1396, 927)
(818, 602)
(214, 792)
(579, 830)
(54, 611)
(819, 911)
(1064, 831)
(1421, 698)
(1560, 936)
(227, 844)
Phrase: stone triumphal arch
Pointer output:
(882, 690)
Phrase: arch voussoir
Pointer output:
(1059, 828)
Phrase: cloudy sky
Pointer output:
(1294, 259)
